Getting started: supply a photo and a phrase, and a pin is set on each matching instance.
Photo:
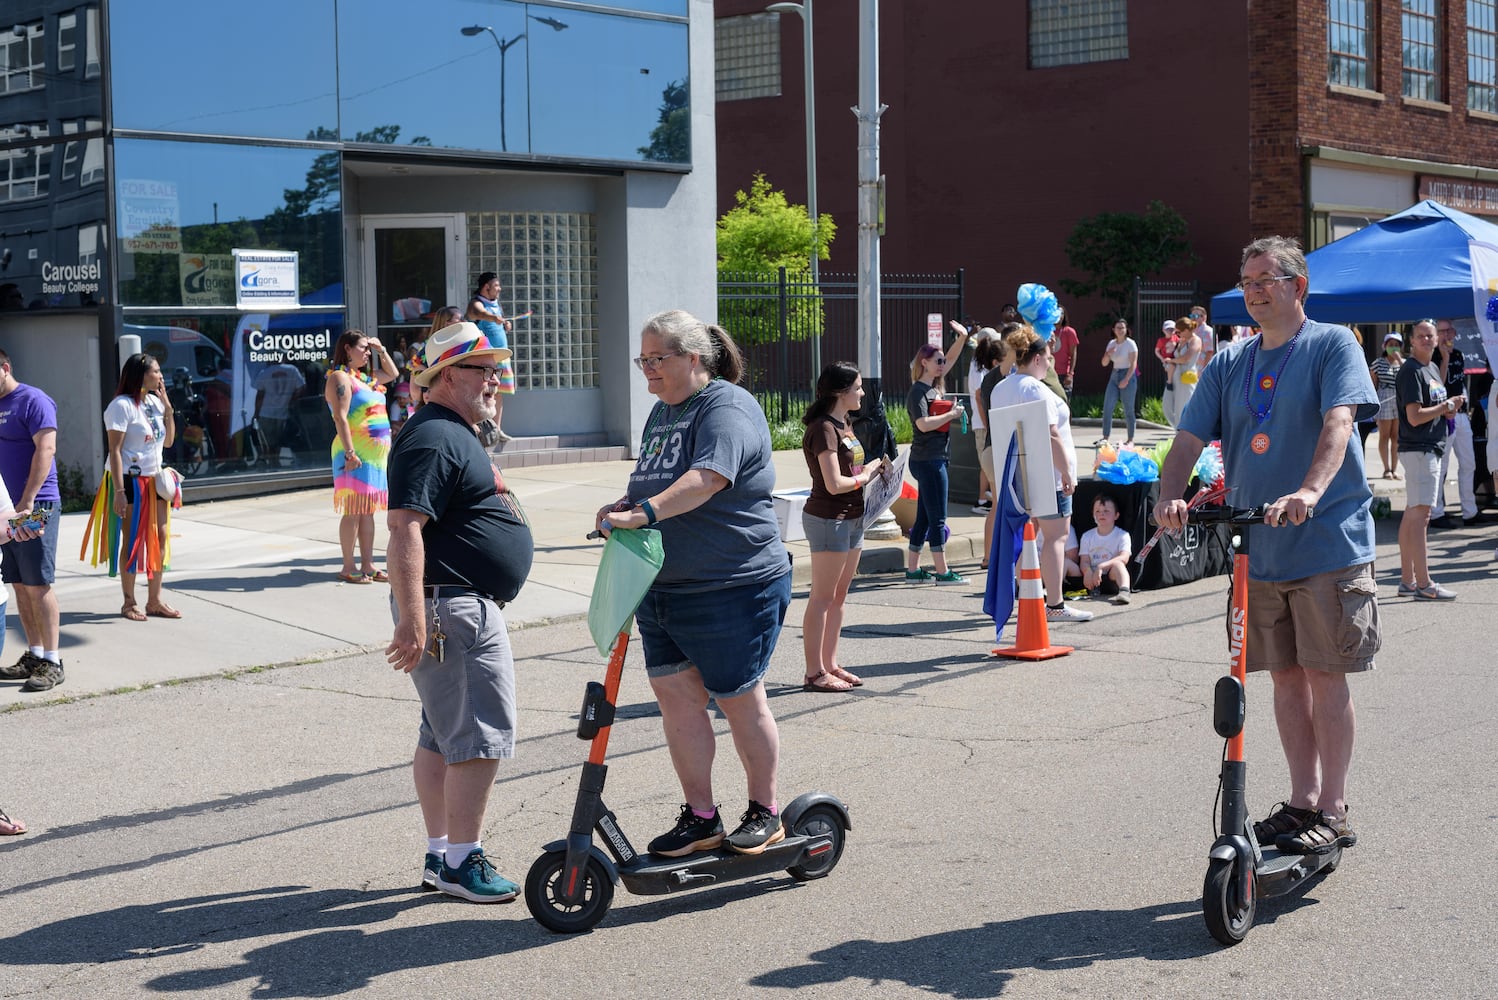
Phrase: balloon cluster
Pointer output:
(1038, 305)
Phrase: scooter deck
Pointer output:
(1279, 873)
(648, 875)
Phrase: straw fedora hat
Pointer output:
(451, 344)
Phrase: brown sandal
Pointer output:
(1321, 835)
(1285, 818)
(133, 612)
(846, 676)
(163, 611)
(825, 683)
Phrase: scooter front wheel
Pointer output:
(819, 821)
(1228, 918)
(543, 894)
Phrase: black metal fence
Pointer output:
(1154, 303)
(777, 318)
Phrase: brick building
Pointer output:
(1008, 123)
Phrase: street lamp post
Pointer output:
(504, 47)
(803, 10)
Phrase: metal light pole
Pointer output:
(803, 10)
(504, 47)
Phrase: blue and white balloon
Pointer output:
(1038, 305)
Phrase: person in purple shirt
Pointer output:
(28, 446)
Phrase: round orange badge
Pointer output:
(1259, 444)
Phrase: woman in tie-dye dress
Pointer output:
(361, 448)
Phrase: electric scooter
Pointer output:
(1239, 871)
(570, 887)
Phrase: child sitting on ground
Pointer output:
(1105, 552)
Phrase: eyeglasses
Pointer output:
(653, 362)
(1263, 284)
(491, 373)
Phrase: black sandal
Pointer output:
(1285, 819)
(1319, 836)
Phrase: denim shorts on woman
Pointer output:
(825, 534)
(1063, 503)
(728, 635)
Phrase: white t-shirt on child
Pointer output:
(1098, 549)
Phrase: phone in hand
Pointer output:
(34, 520)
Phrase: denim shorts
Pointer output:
(826, 534)
(728, 635)
(1063, 503)
(468, 697)
(31, 564)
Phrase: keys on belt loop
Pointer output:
(437, 648)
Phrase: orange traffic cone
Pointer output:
(1032, 638)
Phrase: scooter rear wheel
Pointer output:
(1227, 918)
(819, 821)
(543, 894)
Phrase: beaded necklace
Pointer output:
(659, 444)
(1269, 383)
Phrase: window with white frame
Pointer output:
(91, 44)
(24, 172)
(23, 56)
(548, 265)
(747, 53)
(67, 42)
(1420, 21)
(1069, 32)
(1482, 56)
(1350, 43)
(88, 244)
(83, 159)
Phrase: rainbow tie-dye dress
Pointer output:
(363, 490)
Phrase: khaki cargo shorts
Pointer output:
(1324, 622)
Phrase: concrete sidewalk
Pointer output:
(256, 578)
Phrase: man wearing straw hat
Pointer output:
(459, 550)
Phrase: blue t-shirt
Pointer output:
(1326, 370)
(733, 539)
(24, 412)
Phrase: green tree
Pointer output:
(671, 139)
(762, 233)
(1111, 248)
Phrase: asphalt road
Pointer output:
(1020, 830)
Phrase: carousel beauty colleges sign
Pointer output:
(265, 280)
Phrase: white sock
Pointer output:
(456, 853)
(437, 846)
(51, 654)
(36, 651)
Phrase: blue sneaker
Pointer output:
(476, 880)
(431, 867)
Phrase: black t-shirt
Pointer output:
(1417, 383)
(476, 535)
(1456, 376)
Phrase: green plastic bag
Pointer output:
(631, 560)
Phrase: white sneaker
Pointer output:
(1122, 597)
(1067, 613)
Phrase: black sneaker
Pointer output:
(45, 677)
(760, 828)
(22, 668)
(691, 834)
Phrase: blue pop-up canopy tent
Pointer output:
(1404, 268)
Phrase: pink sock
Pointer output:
(705, 815)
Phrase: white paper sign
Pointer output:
(884, 489)
(1032, 422)
(266, 279)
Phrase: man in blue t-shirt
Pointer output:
(28, 444)
(1284, 405)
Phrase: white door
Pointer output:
(413, 264)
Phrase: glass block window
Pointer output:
(1068, 32)
(24, 172)
(22, 57)
(748, 56)
(548, 265)
(1482, 56)
(1421, 23)
(1350, 43)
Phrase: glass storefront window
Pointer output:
(225, 69)
(528, 78)
(52, 216)
(183, 207)
(246, 389)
